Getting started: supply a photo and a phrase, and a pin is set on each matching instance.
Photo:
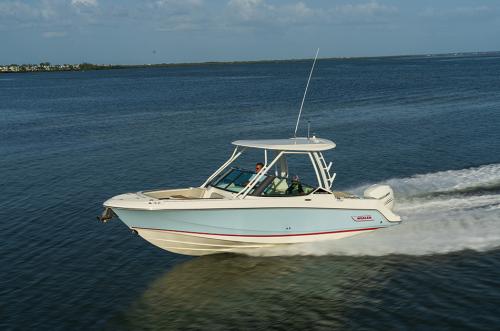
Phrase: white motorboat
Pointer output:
(237, 210)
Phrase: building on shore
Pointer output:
(38, 67)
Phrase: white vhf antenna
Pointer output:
(304, 97)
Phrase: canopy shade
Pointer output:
(292, 144)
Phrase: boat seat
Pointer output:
(179, 196)
(183, 197)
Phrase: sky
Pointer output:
(173, 31)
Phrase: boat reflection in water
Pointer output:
(239, 292)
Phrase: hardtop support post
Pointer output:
(315, 166)
(326, 169)
(233, 157)
(243, 193)
(283, 166)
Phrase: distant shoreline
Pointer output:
(47, 67)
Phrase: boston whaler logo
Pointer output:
(363, 218)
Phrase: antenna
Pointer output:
(304, 97)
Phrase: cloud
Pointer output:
(458, 12)
(54, 34)
(188, 15)
(89, 3)
(179, 3)
(182, 23)
(258, 12)
(300, 10)
(177, 7)
(18, 10)
(178, 15)
(367, 13)
(49, 15)
(365, 9)
(250, 10)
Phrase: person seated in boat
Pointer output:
(258, 168)
(295, 187)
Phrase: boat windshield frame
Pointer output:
(322, 170)
(269, 186)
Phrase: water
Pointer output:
(427, 126)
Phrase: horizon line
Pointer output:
(458, 53)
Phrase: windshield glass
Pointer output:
(235, 180)
(285, 187)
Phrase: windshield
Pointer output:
(284, 187)
(235, 180)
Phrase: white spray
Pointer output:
(443, 212)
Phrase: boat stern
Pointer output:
(384, 194)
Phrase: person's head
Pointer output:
(258, 167)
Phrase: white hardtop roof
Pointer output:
(293, 144)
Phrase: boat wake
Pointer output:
(442, 212)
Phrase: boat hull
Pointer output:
(197, 244)
(211, 231)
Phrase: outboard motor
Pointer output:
(381, 192)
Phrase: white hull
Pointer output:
(204, 244)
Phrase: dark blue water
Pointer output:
(430, 127)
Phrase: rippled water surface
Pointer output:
(427, 126)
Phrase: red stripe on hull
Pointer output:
(260, 235)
